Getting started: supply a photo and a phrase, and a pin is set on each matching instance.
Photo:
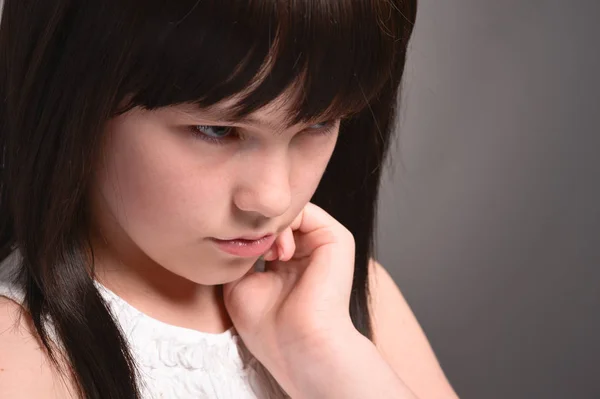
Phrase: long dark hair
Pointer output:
(66, 66)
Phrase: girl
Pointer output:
(153, 154)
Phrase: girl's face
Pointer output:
(171, 179)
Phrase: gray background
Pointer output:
(490, 216)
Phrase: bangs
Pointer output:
(329, 57)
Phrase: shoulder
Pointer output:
(401, 340)
(25, 368)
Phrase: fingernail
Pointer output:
(270, 255)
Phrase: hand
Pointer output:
(302, 299)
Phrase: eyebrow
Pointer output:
(278, 127)
(245, 120)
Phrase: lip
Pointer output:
(245, 248)
(247, 238)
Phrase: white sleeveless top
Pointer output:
(176, 362)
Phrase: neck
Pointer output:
(161, 294)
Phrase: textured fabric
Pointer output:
(176, 362)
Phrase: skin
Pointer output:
(294, 317)
(160, 193)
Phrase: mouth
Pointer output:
(243, 247)
(247, 238)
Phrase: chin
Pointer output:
(226, 272)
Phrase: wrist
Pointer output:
(311, 363)
(343, 364)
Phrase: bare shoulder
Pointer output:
(401, 340)
(25, 368)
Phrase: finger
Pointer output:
(286, 245)
(314, 228)
(308, 243)
(298, 219)
(283, 246)
(312, 217)
(272, 253)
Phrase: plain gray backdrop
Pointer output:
(490, 216)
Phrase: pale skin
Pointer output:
(160, 193)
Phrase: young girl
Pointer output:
(154, 153)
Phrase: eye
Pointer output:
(212, 134)
(323, 128)
(223, 134)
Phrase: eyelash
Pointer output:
(323, 131)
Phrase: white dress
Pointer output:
(176, 362)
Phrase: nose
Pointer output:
(264, 185)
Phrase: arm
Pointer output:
(349, 367)
(294, 318)
(401, 341)
(399, 364)
(25, 370)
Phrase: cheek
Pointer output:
(153, 190)
(308, 170)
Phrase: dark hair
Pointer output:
(65, 66)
